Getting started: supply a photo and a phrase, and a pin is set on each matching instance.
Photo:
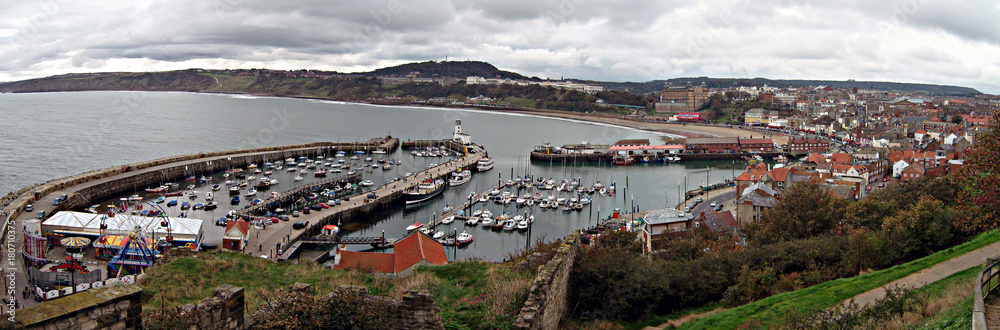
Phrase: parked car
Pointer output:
(40, 215)
(305, 211)
(274, 220)
(880, 185)
(323, 205)
(283, 217)
(298, 225)
(315, 207)
(29, 208)
(714, 204)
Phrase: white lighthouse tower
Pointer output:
(460, 137)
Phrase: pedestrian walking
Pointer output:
(260, 248)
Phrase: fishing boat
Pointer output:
(157, 190)
(484, 164)
(198, 206)
(234, 190)
(414, 226)
(509, 225)
(216, 187)
(626, 160)
(192, 194)
(423, 191)
(211, 205)
(487, 222)
(235, 200)
(174, 193)
(459, 178)
(522, 225)
(464, 238)
(209, 196)
(320, 173)
(172, 203)
(472, 221)
(387, 166)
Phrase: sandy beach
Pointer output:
(688, 130)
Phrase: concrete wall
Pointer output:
(547, 300)
(416, 310)
(116, 306)
(223, 310)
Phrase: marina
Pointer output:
(506, 155)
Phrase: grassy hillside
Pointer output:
(828, 294)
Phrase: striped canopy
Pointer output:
(75, 242)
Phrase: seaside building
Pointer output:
(408, 254)
(688, 98)
(665, 222)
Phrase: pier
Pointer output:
(289, 197)
(355, 207)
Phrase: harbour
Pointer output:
(425, 125)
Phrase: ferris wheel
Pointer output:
(130, 231)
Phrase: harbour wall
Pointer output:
(144, 177)
(548, 298)
(117, 306)
(603, 157)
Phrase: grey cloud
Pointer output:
(604, 40)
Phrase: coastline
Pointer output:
(684, 130)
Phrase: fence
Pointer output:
(987, 280)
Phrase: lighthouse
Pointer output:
(460, 137)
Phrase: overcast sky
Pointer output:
(942, 42)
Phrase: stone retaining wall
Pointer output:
(117, 306)
(547, 300)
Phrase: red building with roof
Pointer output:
(756, 145)
(808, 145)
(410, 252)
(236, 235)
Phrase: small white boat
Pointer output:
(585, 200)
(464, 238)
(438, 235)
(414, 226)
(367, 183)
(447, 208)
(448, 220)
(297, 178)
(209, 196)
(251, 192)
(472, 221)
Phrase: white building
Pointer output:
(898, 167)
(460, 136)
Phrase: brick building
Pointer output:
(756, 145)
(808, 145)
(712, 145)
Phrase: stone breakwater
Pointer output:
(85, 188)
(547, 299)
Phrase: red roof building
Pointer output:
(236, 235)
(410, 252)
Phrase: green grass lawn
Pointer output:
(830, 293)
(959, 315)
(478, 295)
(191, 279)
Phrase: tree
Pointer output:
(807, 210)
(957, 119)
(979, 181)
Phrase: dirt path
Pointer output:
(685, 319)
(932, 274)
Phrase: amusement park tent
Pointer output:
(185, 230)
